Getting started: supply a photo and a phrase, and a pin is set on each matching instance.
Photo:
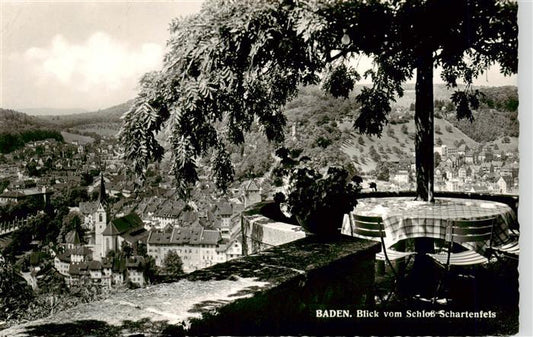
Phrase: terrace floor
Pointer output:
(491, 288)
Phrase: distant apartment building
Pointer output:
(441, 150)
(165, 216)
(401, 177)
(226, 214)
(452, 151)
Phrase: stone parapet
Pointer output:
(275, 292)
(300, 278)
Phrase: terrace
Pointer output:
(298, 288)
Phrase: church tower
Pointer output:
(100, 223)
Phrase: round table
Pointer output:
(405, 218)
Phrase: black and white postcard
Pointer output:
(265, 167)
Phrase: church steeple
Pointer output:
(102, 197)
(100, 222)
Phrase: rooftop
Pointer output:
(192, 236)
(124, 224)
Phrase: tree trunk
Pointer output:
(424, 146)
(424, 127)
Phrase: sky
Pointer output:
(87, 55)
(91, 55)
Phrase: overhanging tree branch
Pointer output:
(240, 61)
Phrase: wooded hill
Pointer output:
(11, 120)
(321, 126)
(324, 124)
(496, 117)
(109, 115)
(17, 129)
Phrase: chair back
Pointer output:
(461, 231)
(371, 228)
(368, 227)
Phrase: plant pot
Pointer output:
(326, 223)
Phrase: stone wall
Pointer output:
(302, 277)
(274, 292)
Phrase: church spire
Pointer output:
(102, 198)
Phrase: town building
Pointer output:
(401, 177)
(16, 196)
(505, 184)
(129, 228)
(251, 192)
(197, 247)
(77, 268)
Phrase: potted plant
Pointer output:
(319, 201)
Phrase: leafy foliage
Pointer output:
(172, 265)
(316, 120)
(341, 81)
(465, 102)
(240, 61)
(383, 171)
(312, 195)
(15, 292)
(500, 98)
(42, 227)
(223, 168)
(26, 207)
(126, 249)
(72, 222)
(489, 125)
(247, 68)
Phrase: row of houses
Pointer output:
(200, 237)
(503, 185)
(77, 267)
(470, 156)
(483, 172)
(197, 247)
(489, 177)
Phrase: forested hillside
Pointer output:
(17, 129)
(496, 117)
(11, 120)
(313, 128)
(106, 116)
(489, 125)
(321, 126)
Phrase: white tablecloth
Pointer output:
(404, 218)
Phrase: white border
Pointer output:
(525, 209)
